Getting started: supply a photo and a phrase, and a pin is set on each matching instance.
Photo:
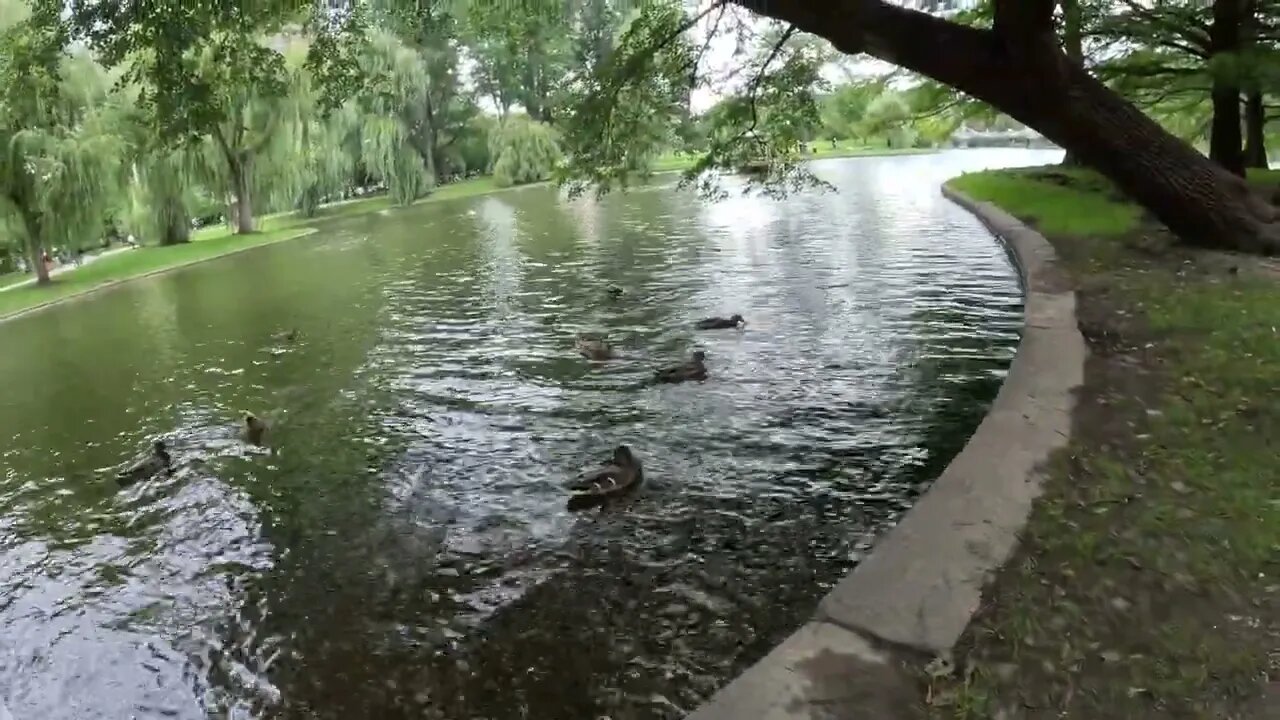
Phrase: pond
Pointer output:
(402, 548)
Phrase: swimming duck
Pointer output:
(719, 323)
(156, 462)
(593, 347)
(620, 475)
(694, 369)
(614, 290)
(254, 429)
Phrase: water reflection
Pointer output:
(403, 550)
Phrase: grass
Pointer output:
(1145, 586)
(820, 150)
(206, 244)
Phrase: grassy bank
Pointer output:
(1148, 581)
(821, 151)
(205, 244)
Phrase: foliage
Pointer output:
(58, 120)
(397, 78)
(889, 115)
(523, 151)
(842, 110)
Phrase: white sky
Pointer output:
(719, 59)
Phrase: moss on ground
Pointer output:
(1148, 581)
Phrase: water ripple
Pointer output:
(402, 548)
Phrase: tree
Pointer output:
(1016, 65)
(58, 124)
(523, 51)
(389, 107)
(889, 115)
(523, 151)
(844, 108)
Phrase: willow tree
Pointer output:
(161, 196)
(523, 150)
(396, 83)
(58, 127)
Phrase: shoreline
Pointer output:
(309, 226)
(914, 595)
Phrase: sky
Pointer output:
(719, 58)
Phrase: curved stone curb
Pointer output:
(924, 578)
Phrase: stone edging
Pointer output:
(916, 591)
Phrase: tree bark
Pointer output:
(242, 178)
(1255, 124)
(35, 244)
(1225, 140)
(1073, 46)
(1019, 68)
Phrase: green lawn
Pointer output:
(1145, 586)
(206, 243)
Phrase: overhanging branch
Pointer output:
(1021, 18)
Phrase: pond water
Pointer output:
(402, 550)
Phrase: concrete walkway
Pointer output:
(84, 260)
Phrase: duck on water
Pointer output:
(719, 323)
(154, 463)
(618, 477)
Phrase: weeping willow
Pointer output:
(397, 82)
(59, 125)
(317, 153)
(523, 151)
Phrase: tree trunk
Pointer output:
(1073, 46)
(177, 224)
(1225, 140)
(35, 245)
(1255, 124)
(1018, 67)
(242, 177)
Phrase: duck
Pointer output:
(156, 462)
(254, 429)
(622, 474)
(693, 369)
(719, 323)
(614, 290)
(593, 347)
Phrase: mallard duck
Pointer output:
(254, 429)
(593, 347)
(620, 475)
(694, 369)
(614, 290)
(719, 323)
(153, 464)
